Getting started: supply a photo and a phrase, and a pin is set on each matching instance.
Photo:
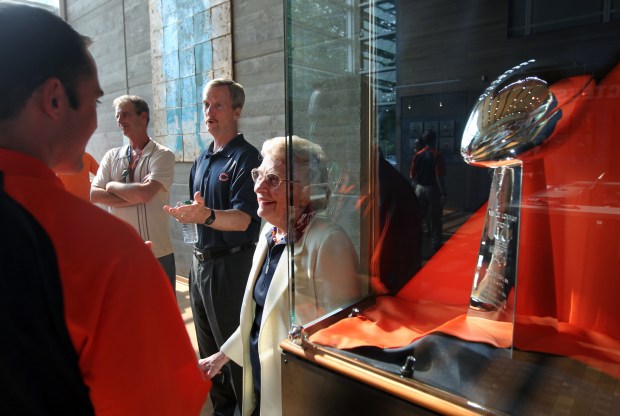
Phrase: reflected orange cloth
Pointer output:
(438, 294)
(568, 284)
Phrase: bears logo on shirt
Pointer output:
(224, 177)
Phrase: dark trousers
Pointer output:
(169, 266)
(431, 209)
(216, 292)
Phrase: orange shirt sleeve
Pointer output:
(91, 163)
(137, 358)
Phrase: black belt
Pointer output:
(204, 255)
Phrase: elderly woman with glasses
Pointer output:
(325, 270)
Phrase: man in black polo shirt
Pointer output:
(427, 178)
(225, 209)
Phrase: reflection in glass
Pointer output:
(538, 150)
(325, 267)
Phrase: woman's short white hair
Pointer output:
(309, 163)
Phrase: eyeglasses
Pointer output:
(272, 179)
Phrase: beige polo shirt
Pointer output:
(149, 219)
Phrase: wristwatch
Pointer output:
(211, 218)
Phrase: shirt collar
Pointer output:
(125, 149)
(19, 163)
(269, 237)
(229, 148)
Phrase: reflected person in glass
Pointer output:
(325, 270)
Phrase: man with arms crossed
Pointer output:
(225, 209)
(134, 181)
(114, 342)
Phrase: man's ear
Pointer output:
(52, 97)
(237, 113)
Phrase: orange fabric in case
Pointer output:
(568, 284)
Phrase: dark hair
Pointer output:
(428, 138)
(237, 94)
(139, 104)
(36, 45)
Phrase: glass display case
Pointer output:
(463, 252)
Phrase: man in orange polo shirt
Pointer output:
(79, 183)
(112, 326)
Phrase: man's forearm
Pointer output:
(135, 193)
(231, 220)
(197, 213)
(129, 192)
(101, 196)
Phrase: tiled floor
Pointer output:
(186, 310)
(186, 313)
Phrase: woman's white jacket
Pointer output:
(326, 277)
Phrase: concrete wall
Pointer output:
(258, 54)
(122, 49)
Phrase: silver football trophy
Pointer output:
(515, 114)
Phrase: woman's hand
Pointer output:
(212, 365)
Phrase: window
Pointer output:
(54, 6)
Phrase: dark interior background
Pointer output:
(447, 54)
